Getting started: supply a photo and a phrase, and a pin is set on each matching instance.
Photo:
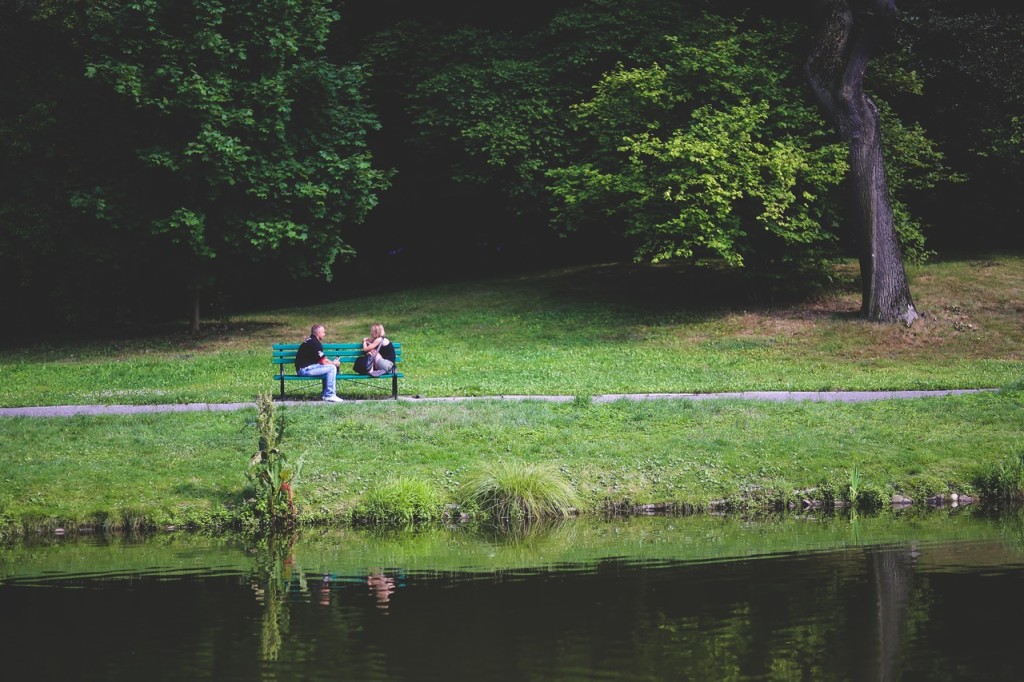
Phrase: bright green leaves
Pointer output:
(709, 151)
(690, 135)
(1017, 133)
(628, 100)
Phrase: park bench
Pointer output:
(284, 364)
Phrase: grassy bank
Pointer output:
(187, 468)
(577, 332)
(581, 331)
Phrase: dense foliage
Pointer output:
(658, 130)
(204, 138)
(708, 151)
(245, 135)
(970, 58)
(153, 150)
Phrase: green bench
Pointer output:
(284, 364)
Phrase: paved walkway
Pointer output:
(778, 396)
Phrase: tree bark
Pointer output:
(836, 65)
(195, 327)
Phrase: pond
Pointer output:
(896, 596)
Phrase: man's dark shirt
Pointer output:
(309, 353)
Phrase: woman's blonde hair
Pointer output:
(376, 330)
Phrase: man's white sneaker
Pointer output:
(332, 399)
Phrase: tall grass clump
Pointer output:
(399, 501)
(516, 492)
(1005, 482)
(122, 521)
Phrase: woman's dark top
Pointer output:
(387, 351)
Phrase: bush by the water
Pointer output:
(399, 501)
(1005, 482)
(514, 491)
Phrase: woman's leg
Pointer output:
(381, 366)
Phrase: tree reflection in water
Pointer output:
(892, 570)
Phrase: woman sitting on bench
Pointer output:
(380, 350)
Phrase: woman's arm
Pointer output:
(370, 344)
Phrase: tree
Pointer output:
(718, 123)
(673, 130)
(246, 142)
(484, 112)
(708, 152)
(836, 66)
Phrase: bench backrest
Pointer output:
(284, 353)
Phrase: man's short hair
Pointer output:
(312, 330)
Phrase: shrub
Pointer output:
(1005, 482)
(399, 501)
(869, 498)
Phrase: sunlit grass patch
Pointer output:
(513, 491)
(399, 500)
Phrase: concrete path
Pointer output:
(778, 396)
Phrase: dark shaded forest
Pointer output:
(167, 160)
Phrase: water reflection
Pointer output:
(273, 572)
(892, 570)
(382, 586)
(884, 598)
(322, 592)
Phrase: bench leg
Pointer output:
(282, 387)
(394, 386)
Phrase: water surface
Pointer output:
(893, 597)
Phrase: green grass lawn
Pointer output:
(578, 332)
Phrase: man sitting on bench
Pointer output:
(310, 361)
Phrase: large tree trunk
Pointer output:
(836, 66)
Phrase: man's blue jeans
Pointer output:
(328, 372)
